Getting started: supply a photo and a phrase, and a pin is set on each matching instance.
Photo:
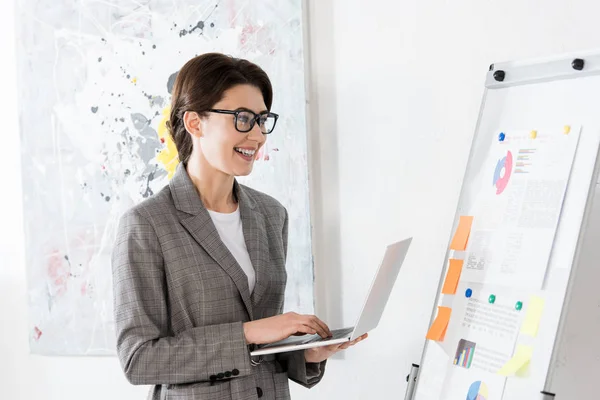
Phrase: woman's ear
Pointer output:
(191, 121)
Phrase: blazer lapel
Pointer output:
(255, 236)
(197, 221)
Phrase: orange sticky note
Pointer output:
(452, 276)
(461, 236)
(437, 331)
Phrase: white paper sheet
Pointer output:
(518, 209)
(480, 339)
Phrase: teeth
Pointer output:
(245, 152)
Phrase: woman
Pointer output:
(199, 268)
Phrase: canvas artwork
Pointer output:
(95, 79)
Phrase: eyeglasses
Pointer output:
(244, 120)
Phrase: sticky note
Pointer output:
(535, 307)
(533, 134)
(461, 236)
(452, 276)
(518, 364)
(437, 331)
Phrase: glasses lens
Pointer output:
(267, 123)
(245, 121)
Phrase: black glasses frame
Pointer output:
(253, 121)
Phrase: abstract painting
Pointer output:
(95, 78)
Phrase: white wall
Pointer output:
(394, 97)
(398, 86)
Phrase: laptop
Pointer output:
(371, 312)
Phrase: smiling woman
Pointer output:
(199, 269)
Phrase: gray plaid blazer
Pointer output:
(180, 298)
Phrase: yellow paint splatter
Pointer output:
(168, 157)
(134, 81)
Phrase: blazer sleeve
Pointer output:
(299, 371)
(148, 352)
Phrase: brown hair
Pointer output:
(201, 83)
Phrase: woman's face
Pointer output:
(224, 147)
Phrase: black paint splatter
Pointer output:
(171, 82)
(153, 46)
(99, 59)
(107, 198)
(148, 191)
(95, 109)
(199, 25)
(212, 24)
(122, 119)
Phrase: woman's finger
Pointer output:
(302, 329)
(320, 326)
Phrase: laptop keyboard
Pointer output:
(337, 334)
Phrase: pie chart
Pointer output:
(501, 180)
(478, 391)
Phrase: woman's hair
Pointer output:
(201, 83)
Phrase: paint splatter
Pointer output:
(171, 82)
(37, 333)
(58, 272)
(199, 25)
(99, 59)
(168, 156)
(95, 109)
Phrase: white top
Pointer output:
(229, 226)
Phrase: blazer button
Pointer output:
(213, 378)
(235, 372)
(259, 392)
(220, 375)
(227, 374)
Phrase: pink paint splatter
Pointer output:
(37, 333)
(247, 32)
(58, 272)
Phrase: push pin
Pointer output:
(519, 306)
(501, 136)
(468, 293)
(533, 134)
(567, 129)
(492, 298)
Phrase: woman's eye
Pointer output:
(244, 118)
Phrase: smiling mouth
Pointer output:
(245, 152)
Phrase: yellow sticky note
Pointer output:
(518, 363)
(535, 307)
(533, 134)
(567, 129)
(437, 331)
(452, 276)
(461, 236)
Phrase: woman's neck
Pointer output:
(214, 187)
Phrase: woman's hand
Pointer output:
(318, 354)
(272, 329)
